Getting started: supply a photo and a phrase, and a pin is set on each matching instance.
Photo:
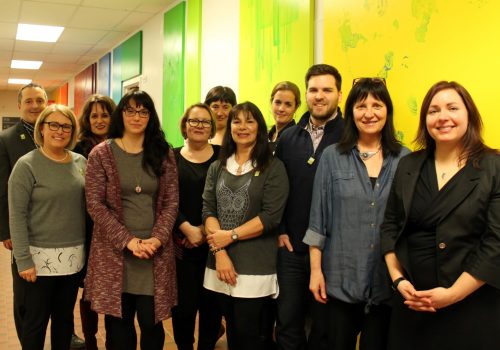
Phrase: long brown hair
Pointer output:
(472, 141)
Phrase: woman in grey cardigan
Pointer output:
(47, 221)
(244, 198)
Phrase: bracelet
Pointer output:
(217, 250)
(396, 282)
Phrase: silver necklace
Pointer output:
(368, 154)
(55, 160)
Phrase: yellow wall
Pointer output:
(415, 43)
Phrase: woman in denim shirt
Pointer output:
(349, 197)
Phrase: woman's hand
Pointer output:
(225, 268)
(140, 250)
(317, 286)
(438, 298)
(28, 275)
(412, 299)
(219, 239)
(194, 235)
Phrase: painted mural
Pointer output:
(413, 44)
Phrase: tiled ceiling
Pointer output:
(92, 28)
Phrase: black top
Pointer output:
(272, 144)
(191, 185)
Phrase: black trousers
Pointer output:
(345, 321)
(90, 320)
(122, 330)
(17, 288)
(192, 297)
(50, 297)
(249, 322)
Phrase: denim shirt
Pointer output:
(346, 213)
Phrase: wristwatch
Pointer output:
(396, 282)
(234, 236)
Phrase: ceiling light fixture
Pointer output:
(19, 81)
(20, 64)
(34, 32)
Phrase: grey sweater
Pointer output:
(46, 205)
(234, 200)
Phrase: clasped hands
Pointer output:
(144, 248)
(426, 300)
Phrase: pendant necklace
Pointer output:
(138, 178)
(53, 159)
(368, 154)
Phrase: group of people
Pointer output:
(294, 236)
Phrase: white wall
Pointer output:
(219, 44)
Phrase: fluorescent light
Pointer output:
(20, 64)
(19, 81)
(33, 32)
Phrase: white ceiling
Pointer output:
(92, 28)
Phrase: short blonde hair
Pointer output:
(64, 110)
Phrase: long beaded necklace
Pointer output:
(138, 178)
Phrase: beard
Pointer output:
(324, 116)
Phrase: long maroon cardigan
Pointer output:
(103, 283)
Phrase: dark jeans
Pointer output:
(122, 330)
(50, 297)
(296, 305)
(346, 321)
(249, 322)
(191, 298)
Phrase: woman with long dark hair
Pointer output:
(132, 197)
(350, 192)
(441, 233)
(244, 198)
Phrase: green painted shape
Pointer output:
(276, 44)
(349, 39)
(193, 52)
(132, 56)
(127, 63)
(173, 72)
(117, 74)
(423, 10)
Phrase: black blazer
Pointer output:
(15, 142)
(468, 235)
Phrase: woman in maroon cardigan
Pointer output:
(132, 196)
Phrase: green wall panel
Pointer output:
(276, 44)
(173, 72)
(193, 52)
(127, 63)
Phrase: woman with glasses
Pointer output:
(94, 127)
(47, 222)
(220, 99)
(350, 192)
(132, 197)
(285, 99)
(193, 159)
(441, 232)
(244, 198)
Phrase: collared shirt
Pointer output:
(30, 129)
(317, 131)
(346, 213)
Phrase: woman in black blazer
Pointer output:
(441, 233)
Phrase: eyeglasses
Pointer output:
(374, 80)
(55, 126)
(131, 112)
(196, 122)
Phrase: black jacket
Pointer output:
(467, 237)
(295, 149)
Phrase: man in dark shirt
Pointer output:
(300, 148)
